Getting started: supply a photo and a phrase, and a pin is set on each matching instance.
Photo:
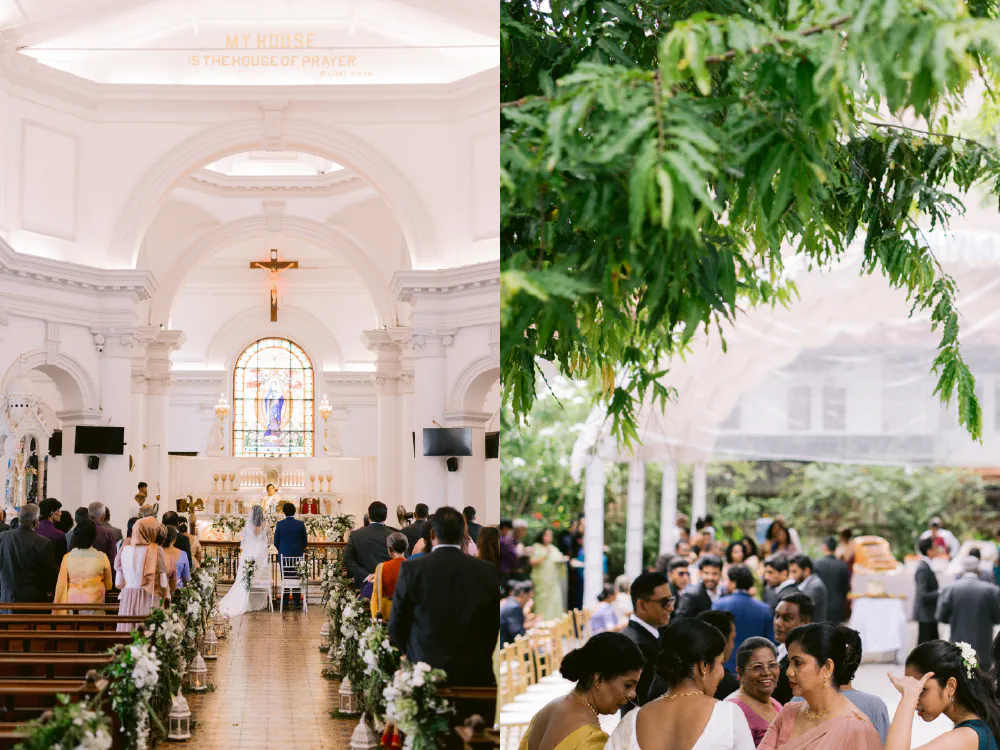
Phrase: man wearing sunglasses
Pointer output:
(652, 606)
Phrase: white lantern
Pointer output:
(324, 633)
(179, 721)
(364, 737)
(198, 675)
(219, 625)
(210, 644)
(348, 700)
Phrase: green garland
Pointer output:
(381, 660)
(76, 725)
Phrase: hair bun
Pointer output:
(572, 667)
(669, 664)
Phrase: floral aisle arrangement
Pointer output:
(132, 679)
(413, 705)
(165, 631)
(82, 726)
(381, 660)
(337, 594)
(249, 568)
(354, 620)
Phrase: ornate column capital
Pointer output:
(114, 342)
(387, 383)
(405, 387)
(431, 342)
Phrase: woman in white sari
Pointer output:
(254, 546)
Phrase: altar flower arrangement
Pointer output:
(381, 660)
(132, 679)
(342, 523)
(70, 726)
(412, 704)
(230, 523)
(249, 568)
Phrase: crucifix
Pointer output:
(274, 267)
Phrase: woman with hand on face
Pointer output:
(687, 717)
(945, 678)
(824, 720)
(606, 670)
(757, 667)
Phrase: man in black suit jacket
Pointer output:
(700, 599)
(652, 606)
(836, 576)
(444, 609)
(926, 595)
(27, 561)
(366, 547)
(470, 520)
(415, 530)
(778, 581)
(793, 610)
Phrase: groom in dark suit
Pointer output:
(290, 539)
(652, 605)
(366, 547)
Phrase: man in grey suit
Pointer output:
(27, 561)
(779, 583)
(415, 530)
(366, 547)
(801, 569)
(972, 607)
(836, 576)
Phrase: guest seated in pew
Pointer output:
(176, 561)
(141, 572)
(27, 563)
(85, 572)
(606, 671)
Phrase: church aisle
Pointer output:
(269, 691)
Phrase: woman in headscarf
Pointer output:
(141, 573)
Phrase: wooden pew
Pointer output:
(15, 607)
(472, 722)
(67, 622)
(73, 641)
(23, 700)
(49, 665)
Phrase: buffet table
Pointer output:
(900, 582)
(881, 621)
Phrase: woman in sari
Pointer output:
(758, 670)
(945, 678)
(825, 719)
(387, 573)
(85, 573)
(606, 670)
(141, 572)
(548, 569)
(176, 561)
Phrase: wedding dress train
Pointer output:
(253, 546)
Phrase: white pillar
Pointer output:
(430, 374)
(387, 373)
(593, 534)
(668, 508)
(635, 516)
(158, 381)
(137, 439)
(115, 349)
(699, 492)
(406, 454)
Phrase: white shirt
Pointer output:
(442, 546)
(949, 539)
(652, 631)
(133, 509)
(782, 651)
(784, 585)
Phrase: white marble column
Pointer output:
(115, 349)
(430, 374)
(406, 452)
(668, 508)
(158, 381)
(699, 492)
(635, 516)
(387, 374)
(593, 534)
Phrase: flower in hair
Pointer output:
(968, 654)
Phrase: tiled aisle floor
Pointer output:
(269, 691)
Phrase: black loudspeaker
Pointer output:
(414, 444)
(93, 462)
(452, 464)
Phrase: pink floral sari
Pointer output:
(850, 732)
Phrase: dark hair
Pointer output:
(377, 512)
(128, 529)
(778, 562)
(846, 534)
(750, 546)
(488, 545)
(107, 514)
(685, 644)
(48, 506)
(677, 562)
(974, 552)
(517, 588)
(141, 485)
(84, 535)
(800, 600)
(855, 651)
(643, 586)
(170, 518)
(830, 543)
(421, 511)
(606, 593)
(182, 526)
(606, 655)
(663, 562)
(699, 524)
(741, 577)
(823, 641)
(270, 485)
(171, 535)
(695, 548)
(775, 524)
(81, 514)
(15, 522)
(289, 509)
(731, 547)
(974, 693)
(505, 523)
(425, 534)
(470, 513)
(161, 534)
(803, 561)
(710, 561)
(750, 645)
(65, 522)
(448, 525)
(924, 545)
(724, 622)
(541, 535)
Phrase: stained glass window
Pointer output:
(273, 400)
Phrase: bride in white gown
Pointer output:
(253, 546)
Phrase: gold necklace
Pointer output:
(681, 695)
(813, 716)
(768, 706)
(587, 704)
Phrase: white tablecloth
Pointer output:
(882, 625)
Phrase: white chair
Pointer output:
(291, 583)
(262, 585)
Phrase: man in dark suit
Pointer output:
(679, 576)
(366, 547)
(444, 609)
(171, 518)
(27, 562)
(801, 569)
(415, 530)
(926, 595)
(972, 607)
(793, 609)
(470, 520)
(700, 598)
(836, 576)
(652, 606)
(290, 539)
(753, 618)
(116, 533)
(778, 582)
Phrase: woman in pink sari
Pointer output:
(826, 720)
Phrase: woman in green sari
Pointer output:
(548, 569)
